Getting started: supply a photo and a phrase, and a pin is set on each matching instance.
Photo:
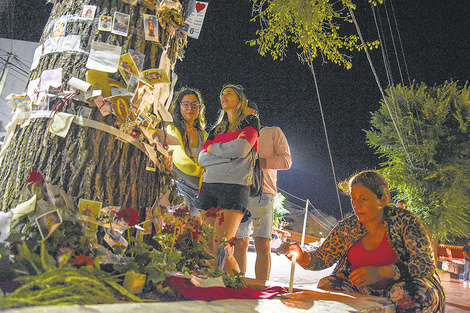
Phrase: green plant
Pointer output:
(279, 210)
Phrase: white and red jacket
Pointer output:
(230, 160)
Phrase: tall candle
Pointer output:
(292, 270)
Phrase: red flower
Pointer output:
(168, 229)
(213, 212)
(130, 216)
(196, 233)
(222, 218)
(35, 177)
(181, 212)
(82, 260)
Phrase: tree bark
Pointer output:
(87, 163)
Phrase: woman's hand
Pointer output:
(291, 250)
(209, 148)
(365, 275)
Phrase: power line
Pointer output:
(304, 201)
(20, 60)
(321, 223)
(13, 65)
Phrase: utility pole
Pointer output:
(5, 71)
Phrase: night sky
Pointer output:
(435, 42)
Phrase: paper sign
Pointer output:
(61, 44)
(196, 18)
(61, 124)
(36, 57)
(174, 79)
(165, 62)
(150, 27)
(99, 81)
(105, 23)
(103, 57)
(120, 24)
(51, 78)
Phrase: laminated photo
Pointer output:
(105, 23)
(127, 67)
(89, 210)
(150, 27)
(155, 76)
(138, 58)
(48, 223)
(60, 26)
(23, 103)
(88, 12)
(114, 237)
(120, 24)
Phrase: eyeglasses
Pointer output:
(186, 104)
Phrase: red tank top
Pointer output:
(381, 256)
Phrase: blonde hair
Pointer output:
(241, 111)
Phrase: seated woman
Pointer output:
(187, 109)
(382, 250)
(228, 174)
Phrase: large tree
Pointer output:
(422, 133)
(89, 163)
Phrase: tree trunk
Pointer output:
(87, 163)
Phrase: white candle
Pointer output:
(292, 269)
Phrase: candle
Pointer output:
(292, 269)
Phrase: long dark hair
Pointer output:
(178, 119)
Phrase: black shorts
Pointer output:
(226, 196)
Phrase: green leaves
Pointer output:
(279, 210)
(313, 27)
(433, 174)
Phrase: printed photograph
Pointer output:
(48, 223)
(120, 24)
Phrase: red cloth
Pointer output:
(185, 288)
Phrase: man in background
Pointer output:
(466, 264)
(274, 154)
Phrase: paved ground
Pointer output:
(457, 298)
(280, 271)
(457, 291)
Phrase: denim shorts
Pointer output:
(262, 217)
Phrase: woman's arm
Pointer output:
(237, 143)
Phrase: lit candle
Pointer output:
(292, 270)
